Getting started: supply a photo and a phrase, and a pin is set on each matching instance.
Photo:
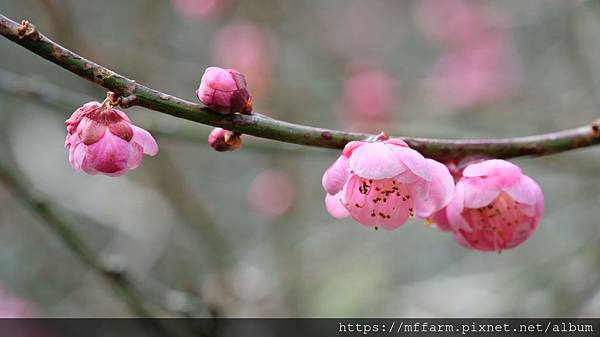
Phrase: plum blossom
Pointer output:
(494, 207)
(102, 140)
(385, 182)
(224, 90)
(224, 140)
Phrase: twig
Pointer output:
(259, 125)
(66, 101)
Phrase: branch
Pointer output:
(73, 242)
(262, 126)
(64, 101)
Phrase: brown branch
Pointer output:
(259, 125)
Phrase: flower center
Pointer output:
(384, 197)
(495, 223)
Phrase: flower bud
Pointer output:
(224, 140)
(102, 140)
(224, 90)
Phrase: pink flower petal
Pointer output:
(334, 206)
(121, 129)
(350, 147)
(376, 161)
(136, 155)
(524, 191)
(396, 141)
(145, 139)
(407, 177)
(109, 155)
(455, 208)
(336, 175)
(479, 192)
(76, 155)
(90, 131)
(440, 191)
(494, 167)
(370, 202)
(413, 160)
(440, 219)
(357, 203)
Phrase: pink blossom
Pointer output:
(247, 47)
(199, 9)
(102, 140)
(370, 95)
(13, 307)
(383, 183)
(272, 194)
(224, 140)
(461, 23)
(478, 64)
(224, 90)
(473, 77)
(495, 207)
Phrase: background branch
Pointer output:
(259, 125)
(119, 279)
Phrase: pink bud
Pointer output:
(383, 183)
(224, 90)
(224, 140)
(495, 207)
(102, 140)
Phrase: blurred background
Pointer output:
(245, 233)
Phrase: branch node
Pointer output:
(126, 102)
(28, 30)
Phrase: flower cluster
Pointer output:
(492, 207)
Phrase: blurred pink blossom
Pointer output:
(495, 207)
(478, 63)
(13, 307)
(272, 194)
(102, 140)
(246, 47)
(370, 95)
(199, 9)
(224, 91)
(461, 23)
(362, 31)
(472, 77)
(383, 183)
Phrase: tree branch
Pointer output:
(73, 242)
(259, 125)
